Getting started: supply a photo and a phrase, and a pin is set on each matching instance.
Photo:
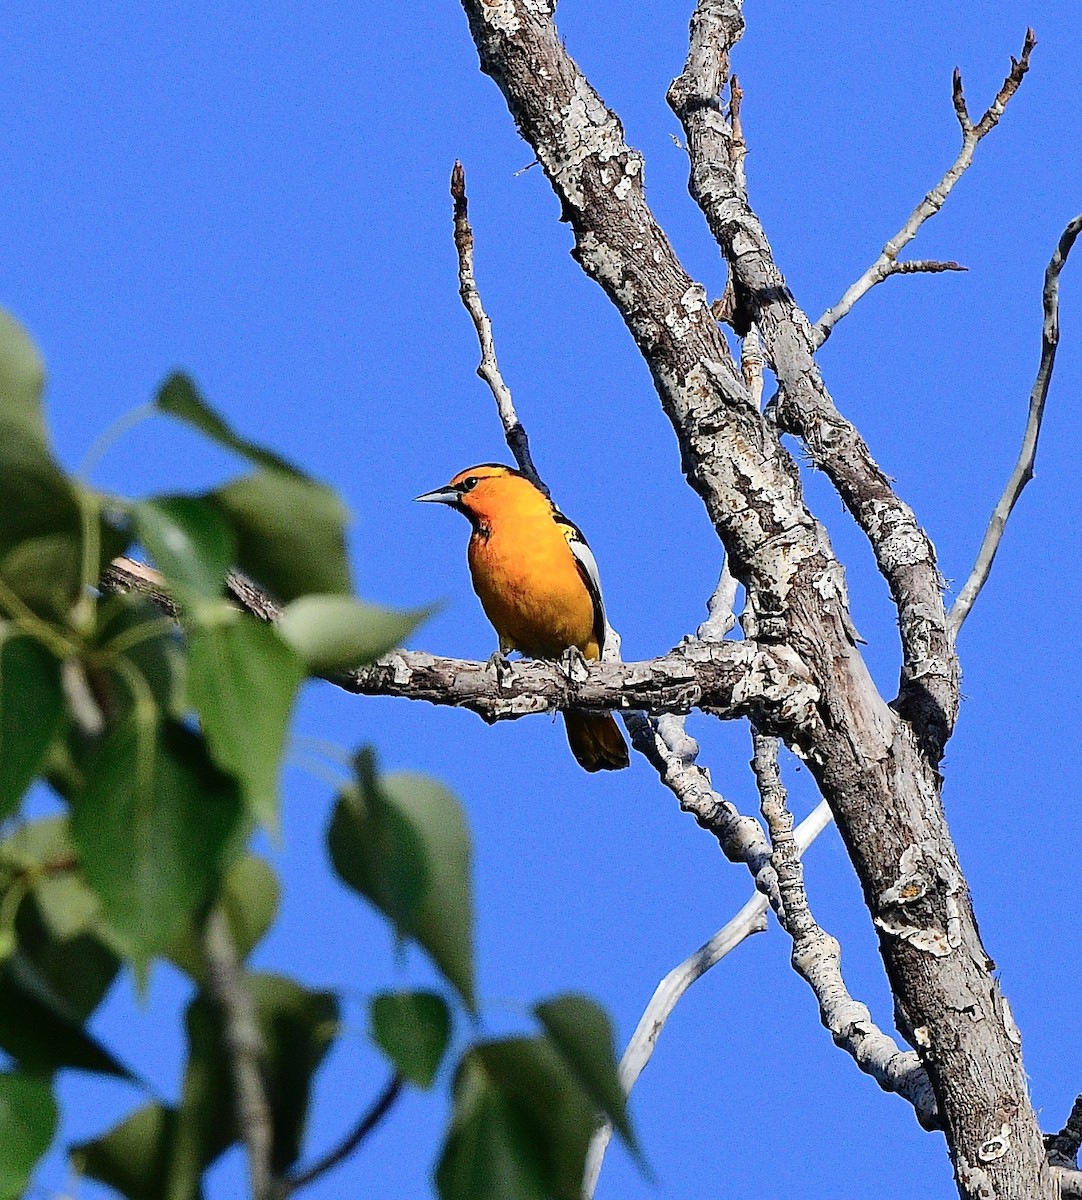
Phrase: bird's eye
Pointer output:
(467, 485)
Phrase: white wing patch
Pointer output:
(585, 558)
(589, 564)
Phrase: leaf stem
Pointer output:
(381, 1106)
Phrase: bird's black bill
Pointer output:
(445, 495)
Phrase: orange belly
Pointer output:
(530, 588)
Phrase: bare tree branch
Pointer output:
(878, 771)
(381, 1106)
(244, 1050)
(663, 740)
(904, 553)
(729, 679)
(1023, 468)
(817, 955)
(887, 263)
(749, 920)
(489, 367)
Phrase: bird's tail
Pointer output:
(596, 741)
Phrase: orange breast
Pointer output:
(530, 587)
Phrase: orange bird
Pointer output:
(538, 584)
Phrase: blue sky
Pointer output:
(258, 194)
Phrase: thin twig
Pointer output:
(488, 368)
(1023, 468)
(886, 264)
(244, 1049)
(749, 920)
(382, 1105)
(927, 266)
(817, 955)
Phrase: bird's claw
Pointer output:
(573, 664)
(499, 665)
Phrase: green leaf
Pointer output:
(413, 1029)
(28, 1117)
(337, 633)
(73, 964)
(54, 981)
(243, 681)
(290, 533)
(537, 1084)
(179, 397)
(159, 659)
(41, 533)
(402, 842)
(134, 1157)
(41, 1030)
(31, 708)
(297, 1026)
(249, 900)
(68, 905)
(489, 1153)
(190, 541)
(376, 849)
(153, 826)
(581, 1031)
(22, 381)
(44, 570)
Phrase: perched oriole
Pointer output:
(538, 584)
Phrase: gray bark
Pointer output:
(876, 765)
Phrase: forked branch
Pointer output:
(751, 919)
(887, 263)
(903, 551)
(817, 955)
(662, 740)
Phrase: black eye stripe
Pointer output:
(467, 485)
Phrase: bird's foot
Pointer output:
(499, 665)
(573, 663)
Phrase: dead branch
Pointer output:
(1063, 1147)
(662, 740)
(728, 679)
(817, 955)
(886, 264)
(1023, 468)
(904, 553)
(488, 368)
(751, 919)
